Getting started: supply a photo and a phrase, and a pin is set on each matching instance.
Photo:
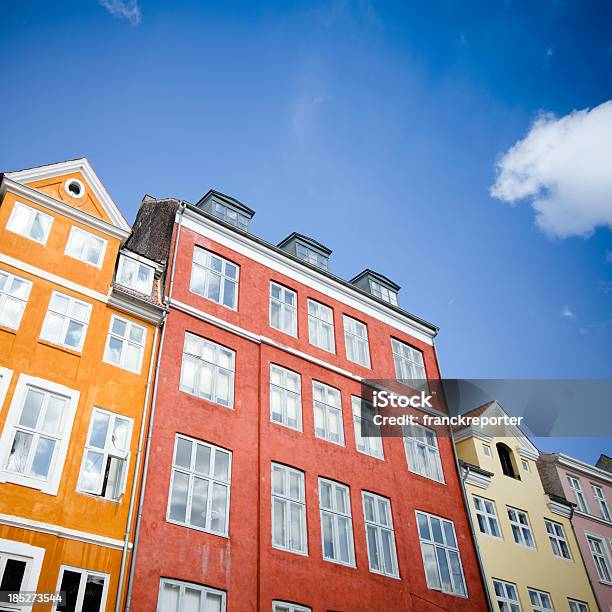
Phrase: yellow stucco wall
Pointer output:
(505, 560)
(100, 385)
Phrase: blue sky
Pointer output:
(373, 127)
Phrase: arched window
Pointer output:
(505, 458)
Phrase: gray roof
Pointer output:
(306, 239)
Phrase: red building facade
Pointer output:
(253, 503)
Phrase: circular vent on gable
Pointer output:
(74, 188)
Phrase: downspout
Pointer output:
(143, 484)
(141, 438)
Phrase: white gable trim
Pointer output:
(77, 165)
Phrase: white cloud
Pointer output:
(564, 166)
(567, 312)
(123, 9)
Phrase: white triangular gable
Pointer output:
(76, 165)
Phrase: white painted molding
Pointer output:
(477, 479)
(303, 274)
(585, 468)
(135, 306)
(60, 532)
(34, 553)
(51, 485)
(5, 380)
(558, 508)
(59, 207)
(68, 167)
(53, 278)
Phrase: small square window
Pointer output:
(135, 275)
(486, 449)
(85, 246)
(525, 465)
(30, 223)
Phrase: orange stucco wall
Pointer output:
(99, 384)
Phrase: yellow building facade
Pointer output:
(79, 320)
(525, 538)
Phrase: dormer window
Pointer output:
(227, 209)
(231, 216)
(377, 285)
(311, 256)
(307, 249)
(382, 292)
(135, 275)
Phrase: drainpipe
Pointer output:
(145, 470)
(141, 438)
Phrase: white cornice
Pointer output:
(131, 304)
(558, 508)
(144, 260)
(307, 276)
(585, 468)
(68, 167)
(476, 479)
(470, 432)
(57, 206)
(60, 532)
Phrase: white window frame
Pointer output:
(367, 445)
(510, 604)
(107, 452)
(328, 409)
(66, 320)
(5, 296)
(409, 362)
(576, 486)
(601, 558)
(486, 449)
(83, 584)
(525, 465)
(207, 271)
(575, 605)
(224, 212)
(33, 555)
(376, 526)
(415, 441)
(311, 256)
(289, 503)
(285, 392)
(540, 606)
(33, 212)
(89, 237)
(600, 497)
(316, 323)
(183, 585)
(125, 342)
(487, 517)
(335, 514)
(285, 606)
(384, 293)
(210, 477)
(557, 539)
(215, 366)
(522, 527)
(51, 485)
(123, 259)
(446, 548)
(284, 307)
(353, 339)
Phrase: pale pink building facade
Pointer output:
(590, 489)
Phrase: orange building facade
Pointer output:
(79, 321)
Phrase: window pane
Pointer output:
(372, 548)
(94, 588)
(279, 535)
(70, 585)
(31, 408)
(213, 603)
(219, 504)
(169, 598)
(92, 473)
(178, 496)
(20, 449)
(198, 502)
(12, 577)
(328, 539)
(221, 465)
(183, 453)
